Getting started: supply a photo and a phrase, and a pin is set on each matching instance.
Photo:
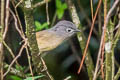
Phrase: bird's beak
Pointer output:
(77, 30)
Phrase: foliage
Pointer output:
(13, 77)
(40, 26)
(20, 67)
(60, 8)
(35, 77)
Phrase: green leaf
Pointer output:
(60, 8)
(36, 77)
(64, 6)
(40, 26)
(19, 67)
(45, 25)
(13, 77)
(58, 3)
(60, 14)
(37, 24)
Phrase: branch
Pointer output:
(1, 37)
(19, 54)
(29, 22)
(14, 71)
(6, 19)
(90, 33)
(102, 37)
(117, 38)
(40, 3)
(81, 38)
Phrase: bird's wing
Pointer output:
(48, 40)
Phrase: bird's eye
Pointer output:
(69, 30)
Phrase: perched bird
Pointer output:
(51, 38)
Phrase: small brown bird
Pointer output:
(49, 39)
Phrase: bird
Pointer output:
(49, 39)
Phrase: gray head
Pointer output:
(65, 28)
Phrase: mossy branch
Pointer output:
(81, 38)
(29, 22)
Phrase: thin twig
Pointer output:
(117, 35)
(103, 46)
(15, 71)
(47, 12)
(40, 3)
(2, 14)
(17, 17)
(6, 19)
(10, 50)
(116, 77)
(54, 18)
(92, 26)
(45, 68)
(1, 33)
(99, 22)
(23, 46)
(18, 3)
(91, 6)
(29, 61)
(19, 54)
(87, 18)
(16, 25)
